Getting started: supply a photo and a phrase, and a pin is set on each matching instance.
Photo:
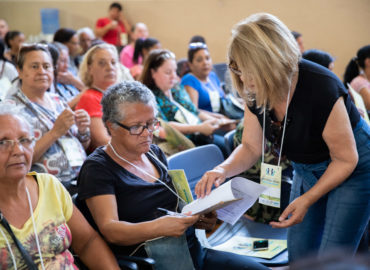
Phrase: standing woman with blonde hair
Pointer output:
(305, 111)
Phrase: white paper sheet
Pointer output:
(232, 199)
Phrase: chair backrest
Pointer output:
(196, 162)
(220, 69)
(229, 141)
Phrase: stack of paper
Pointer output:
(231, 200)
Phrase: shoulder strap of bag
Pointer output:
(26, 256)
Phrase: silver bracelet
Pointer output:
(83, 137)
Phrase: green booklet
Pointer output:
(181, 184)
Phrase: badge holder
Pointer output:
(271, 174)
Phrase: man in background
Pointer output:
(113, 29)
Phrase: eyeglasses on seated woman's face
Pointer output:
(8, 145)
(139, 129)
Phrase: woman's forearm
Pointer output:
(185, 128)
(240, 160)
(126, 233)
(336, 173)
(96, 255)
(42, 145)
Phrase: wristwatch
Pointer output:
(83, 137)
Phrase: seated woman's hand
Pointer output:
(176, 225)
(65, 77)
(214, 177)
(208, 127)
(206, 221)
(63, 123)
(82, 119)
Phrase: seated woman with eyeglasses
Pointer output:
(202, 84)
(61, 134)
(37, 218)
(174, 104)
(122, 184)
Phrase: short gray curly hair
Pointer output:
(125, 92)
(8, 109)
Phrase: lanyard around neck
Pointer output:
(145, 172)
(282, 137)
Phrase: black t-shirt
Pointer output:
(137, 200)
(316, 92)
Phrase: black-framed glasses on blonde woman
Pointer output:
(234, 68)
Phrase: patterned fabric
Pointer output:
(53, 211)
(167, 109)
(54, 160)
(260, 212)
(66, 91)
(174, 141)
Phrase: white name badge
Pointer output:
(214, 97)
(123, 37)
(72, 151)
(270, 178)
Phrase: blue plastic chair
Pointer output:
(195, 162)
(220, 69)
(229, 141)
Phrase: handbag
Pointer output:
(229, 109)
(201, 139)
(170, 253)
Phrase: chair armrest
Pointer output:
(137, 260)
(125, 264)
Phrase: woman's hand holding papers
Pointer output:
(175, 225)
(214, 177)
(206, 221)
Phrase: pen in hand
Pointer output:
(171, 213)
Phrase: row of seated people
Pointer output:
(63, 135)
(62, 153)
(128, 171)
(175, 107)
(35, 72)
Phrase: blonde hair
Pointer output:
(87, 61)
(263, 47)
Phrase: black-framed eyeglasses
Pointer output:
(138, 129)
(197, 45)
(234, 68)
